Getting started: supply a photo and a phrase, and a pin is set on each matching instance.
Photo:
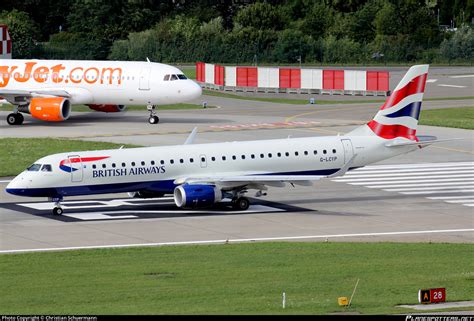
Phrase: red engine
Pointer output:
(108, 108)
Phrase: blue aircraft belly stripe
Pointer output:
(165, 186)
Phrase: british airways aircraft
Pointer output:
(46, 89)
(203, 174)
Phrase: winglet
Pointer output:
(344, 168)
(191, 137)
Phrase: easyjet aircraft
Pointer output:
(204, 174)
(46, 89)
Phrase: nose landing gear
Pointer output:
(153, 119)
(57, 210)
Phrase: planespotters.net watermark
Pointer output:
(48, 318)
(438, 318)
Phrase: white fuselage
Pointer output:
(156, 168)
(100, 82)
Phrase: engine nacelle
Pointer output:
(48, 109)
(108, 108)
(196, 196)
(145, 194)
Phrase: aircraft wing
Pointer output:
(11, 95)
(231, 181)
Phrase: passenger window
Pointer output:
(279, 154)
(270, 155)
(152, 162)
(93, 166)
(223, 158)
(113, 165)
(315, 152)
(203, 159)
(171, 161)
(133, 163)
(34, 168)
(167, 77)
(306, 152)
(296, 153)
(287, 154)
(174, 77)
(143, 163)
(181, 160)
(233, 157)
(162, 162)
(103, 165)
(243, 156)
(46, 168)
(123, 165)
(261, 155)
(325, 151)
(191, 160)
(334, 151)
(213, 158)
(252, 156)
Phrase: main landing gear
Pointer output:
(15, 119)
(240, 203)
(153, 119)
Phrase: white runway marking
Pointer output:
(453, 86)
(262, 239)
(5, 181)
(418, 179)
(431, 80)
(462, 76)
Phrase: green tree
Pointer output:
(23, 32)
(261, 15)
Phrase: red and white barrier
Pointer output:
(301, 80)
(5, 43)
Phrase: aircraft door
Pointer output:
(77, 171)
(145, 77)
(348, 149)
(203, 161)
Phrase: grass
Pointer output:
(233, 278)
(18, 153)
(461, 117)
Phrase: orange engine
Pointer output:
(108, 108)
(48, 109)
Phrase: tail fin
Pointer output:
(398, 117)
(5, 43)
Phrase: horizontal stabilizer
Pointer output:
(396, 143)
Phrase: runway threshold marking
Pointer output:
(453, 86)
(243, 240)
(418, 179)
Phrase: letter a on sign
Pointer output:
(424, 296)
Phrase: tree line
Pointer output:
(244, 32)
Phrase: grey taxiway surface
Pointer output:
(429, 198)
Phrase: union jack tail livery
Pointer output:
(5, 43)
(398, 117)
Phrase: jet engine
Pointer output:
(48, 109)
(196, 196)
(108, 108)
(146, 194)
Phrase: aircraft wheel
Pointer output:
(58, 211)
(154, 120)
(241, 204)
(15, 119)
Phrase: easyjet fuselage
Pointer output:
(100, 82)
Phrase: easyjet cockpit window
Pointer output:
(167, 77)
(34, 168)
(181, 76)
(46, 168)
(174, 77)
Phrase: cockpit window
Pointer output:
(46, 168)
(174, 77)
(167, 77)
(181, 76)
(34, 168)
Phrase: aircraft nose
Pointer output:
(195, 91)
(18, 186)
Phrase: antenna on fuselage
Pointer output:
(148, 60)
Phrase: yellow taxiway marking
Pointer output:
(454, 149)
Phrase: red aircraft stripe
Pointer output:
(415, 86)
(392, 131)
